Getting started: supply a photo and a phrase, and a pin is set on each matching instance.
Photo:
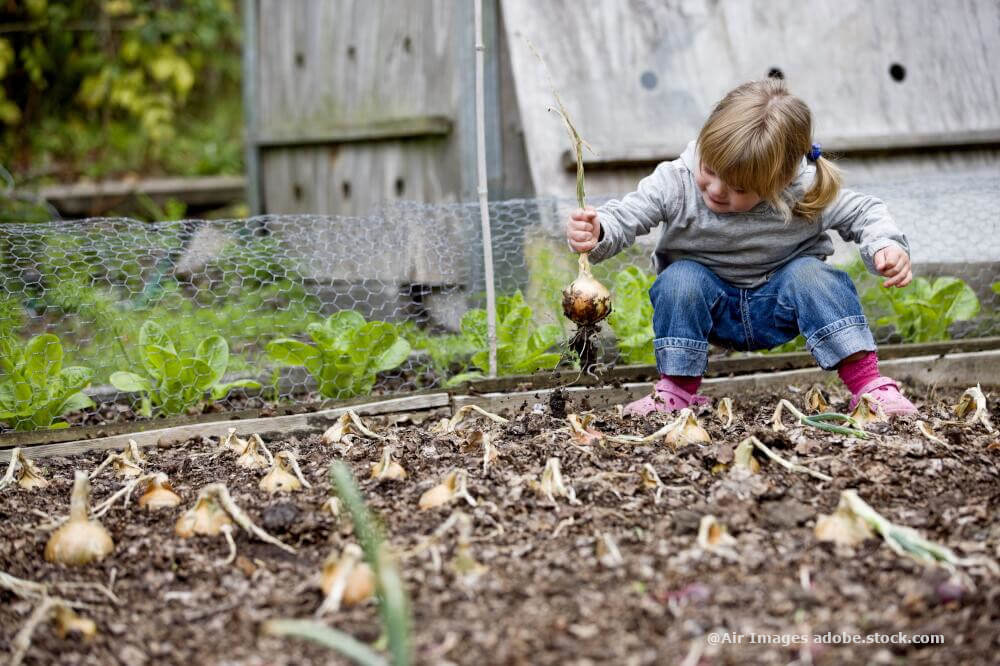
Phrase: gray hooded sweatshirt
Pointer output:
(743, 249)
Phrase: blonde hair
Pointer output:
(755, 140)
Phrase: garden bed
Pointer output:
(549, 593)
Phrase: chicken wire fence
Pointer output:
(277, 286)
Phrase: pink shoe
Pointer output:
(885, 392)
(666, 397)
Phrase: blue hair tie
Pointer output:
(815, 153)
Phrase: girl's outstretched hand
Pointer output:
(583, 230)
(892, 262)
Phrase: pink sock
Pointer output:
(689, 384)
(855, 374)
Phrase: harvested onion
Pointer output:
(586, 301)
(80, 540)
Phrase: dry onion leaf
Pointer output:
(793, 467)
(284, 475)
(131, 461)
(464, 564)
(68, 623)
(346, 580)
(479, 439)
(349, 423)
(580, 430)
(868, 411)
(451, 425)
(688, 431)
(815, 400)
(454, 485)
(724, 412)
(650, 479)
(30, 477)
(214, 512)
(927, 432)
(645, 439)
(232, 442)
(608, 553)
(128, 463)
(8, 477)
(743, 457)
(387, 469)
(552, 484)
(974, 397)
(713, 537)
(255, 454)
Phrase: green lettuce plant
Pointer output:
(632, 317)
(173, 382)
(522, 347)
(36, 390)
(347, 355)
(923, 310)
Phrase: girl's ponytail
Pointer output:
(825, 187)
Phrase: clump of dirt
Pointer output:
(606, 569)
(557, 404)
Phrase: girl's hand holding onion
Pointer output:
(583, 229)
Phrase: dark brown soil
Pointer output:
(547, 597)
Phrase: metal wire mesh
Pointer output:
(94, 282)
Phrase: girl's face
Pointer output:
(721, 198)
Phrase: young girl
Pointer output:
(745, 211)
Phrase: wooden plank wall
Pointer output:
(639, 78)
(361, 105)
(336, 68)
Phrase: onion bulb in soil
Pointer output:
(80, 540)
(159, 494)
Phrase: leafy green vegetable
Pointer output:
(173, 382)
(36, 389)
(348, 353)
(921, 311)
(522, 348)
(632, 317)
(442, 354)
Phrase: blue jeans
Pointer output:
(692, 306)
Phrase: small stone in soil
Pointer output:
(785, 514)
(279, 517)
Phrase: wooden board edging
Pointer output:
(721, 367)
(961, 370)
